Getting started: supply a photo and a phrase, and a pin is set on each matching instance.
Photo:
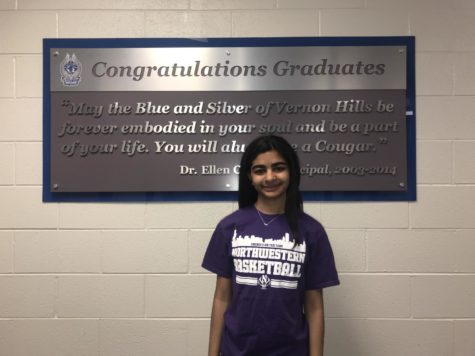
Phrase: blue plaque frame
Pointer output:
(410, 194)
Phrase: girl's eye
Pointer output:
(258, 171)
(280, 168)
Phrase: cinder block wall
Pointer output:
(124, 279)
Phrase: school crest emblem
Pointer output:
(264, 281)
(70, 70)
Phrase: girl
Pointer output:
(272, 261)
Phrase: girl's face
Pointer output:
(270, 176)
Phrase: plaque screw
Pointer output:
(402, 185)
(56, 53)
(401, 50)
(228, 52)
(55, 186)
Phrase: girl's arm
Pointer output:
(221, 300)
(315, 318)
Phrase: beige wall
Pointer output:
(125, 279)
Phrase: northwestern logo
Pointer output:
(70, 70)
(264, 281)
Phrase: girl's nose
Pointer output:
(270, 176)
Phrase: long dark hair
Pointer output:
(247, 192)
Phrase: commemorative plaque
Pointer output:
(161, 116)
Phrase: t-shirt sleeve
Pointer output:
(321, 270)
(217, 258)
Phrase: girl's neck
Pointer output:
(270, 206)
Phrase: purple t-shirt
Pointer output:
(270, 274)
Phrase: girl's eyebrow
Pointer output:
(272, 165)
(258, 166)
